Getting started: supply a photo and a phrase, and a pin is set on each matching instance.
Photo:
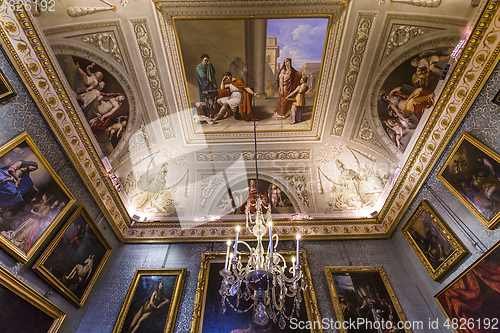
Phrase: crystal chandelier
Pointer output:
(261, 276)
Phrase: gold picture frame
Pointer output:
(6, 91)
(370, 281)
(471, 299)
(18, 298)
(471, 171)
(30, 210)
(216, 260)
(144, 284)
(437, 247)
(74, 259)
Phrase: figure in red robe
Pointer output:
(235, 96)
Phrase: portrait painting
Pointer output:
(230, 83)
(472, 172)
(408, 91)
(236, 198)
(152, 301)
(208, 317)
(17, 298)
(6, 91)
(73, 260)
(101, 98)
(433, 242)
(473, 297)
(363, 294)
(33, 199)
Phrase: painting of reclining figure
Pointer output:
(262, 69)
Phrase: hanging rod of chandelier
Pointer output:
(263, 277)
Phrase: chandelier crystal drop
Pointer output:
(261, 276)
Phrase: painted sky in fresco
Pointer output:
(302, 39)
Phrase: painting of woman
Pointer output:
(15, 182)
(288, 81)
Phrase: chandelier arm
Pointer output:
(244, 243)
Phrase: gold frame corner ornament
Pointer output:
(459, 249)
(310, 300)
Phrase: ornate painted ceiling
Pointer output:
(388, 83)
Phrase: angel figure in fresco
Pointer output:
(426, 66)
(399, 128)
(117, 127)
(156, 301)
(91, 80)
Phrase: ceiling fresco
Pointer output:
(344, 95)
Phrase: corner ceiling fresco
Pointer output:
(333, 149)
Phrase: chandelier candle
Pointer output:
(236, 241)
(270, 242)
(298, 238)
(227, 253)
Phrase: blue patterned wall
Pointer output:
(22, 115)
(109, 298)
(482, 122)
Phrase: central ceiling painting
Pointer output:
(239, 69)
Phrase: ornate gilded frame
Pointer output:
(174, 303)
(329, 270)
(25, 292)
(46, 274)
(6, 91)
(482, 148)
(207, 258)
(7, 245)
(459, 249)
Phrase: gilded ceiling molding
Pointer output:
(26, 48)
(249, 155)
(143, 39)
(63, 49)
(401, 34)
(168, 10)
(364, 25)
(478, 59)
(105, 42)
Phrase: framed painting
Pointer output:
(470, 302)
(17, 298)
(207, 315)
(472, 173)
(152, 301)
(6, 91)
(496, 99)
(363, 294)
(434, 243)
(32, 198)
(73, 260)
